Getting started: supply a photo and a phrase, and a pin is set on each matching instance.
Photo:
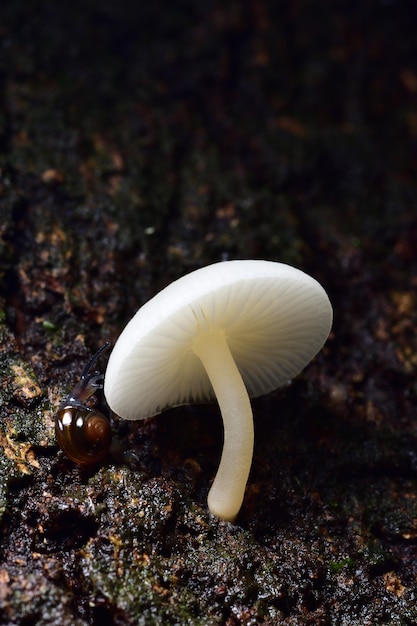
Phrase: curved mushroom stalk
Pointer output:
(226, 494)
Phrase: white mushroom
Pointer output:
(230, 331)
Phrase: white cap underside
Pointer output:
(275, 318)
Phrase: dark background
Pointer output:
(139, 141)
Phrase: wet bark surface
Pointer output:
(139, 143)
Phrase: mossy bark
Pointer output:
(139, 141)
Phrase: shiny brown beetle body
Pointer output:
(84, 433)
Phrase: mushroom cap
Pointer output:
(274, 316)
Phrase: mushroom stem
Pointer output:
(226, 494)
